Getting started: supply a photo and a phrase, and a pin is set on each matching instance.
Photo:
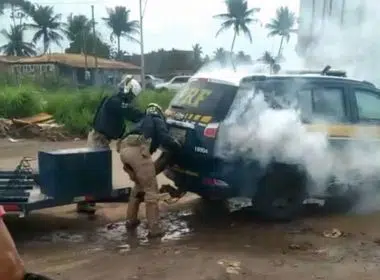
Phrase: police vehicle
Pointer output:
(277, 191)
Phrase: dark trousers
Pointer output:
(162, 162)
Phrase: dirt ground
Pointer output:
(201, 242)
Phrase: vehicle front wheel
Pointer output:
(281, 194)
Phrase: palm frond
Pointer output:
(247, 32)
(225, 25)
(223, 16)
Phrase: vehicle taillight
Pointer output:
(11, 208)
(211, 130)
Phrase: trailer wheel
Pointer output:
(281, 194)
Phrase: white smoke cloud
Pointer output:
(255, 130)
(353, 45)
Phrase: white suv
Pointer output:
(175, 83)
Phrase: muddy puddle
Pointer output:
(114, 235)
(220, 229)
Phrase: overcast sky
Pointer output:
(180, 23)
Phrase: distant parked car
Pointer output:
(151, 81)
(175, 83)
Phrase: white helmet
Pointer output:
(130, 84)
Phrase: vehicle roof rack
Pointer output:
(369, 83)
(327, 71)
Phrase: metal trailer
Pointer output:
(64, 177)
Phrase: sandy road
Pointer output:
(200, 244)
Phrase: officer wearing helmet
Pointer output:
(113, 111)
(135, 153)
(109, 120)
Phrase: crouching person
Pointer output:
(109, 121)
(136, 151)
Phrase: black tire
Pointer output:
(282, 183)
(341, 204)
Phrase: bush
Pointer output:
(20, 102)
(162, 98)
(74, 108)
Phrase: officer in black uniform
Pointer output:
(109, 121)
(110, 117)
(135, 154)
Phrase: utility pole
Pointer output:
(94, 47)
(142, 47)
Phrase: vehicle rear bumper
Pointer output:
(225, 181)
(206, 187)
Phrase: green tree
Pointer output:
(238, 17)
(25, 6)
(102, 49)
(242, 57)
(268, 59)
(47, 25)
(119, 22)
(197, 52)
(77, 27)
(220, 54)
(20, 9)
(16, 45)
(282, 25)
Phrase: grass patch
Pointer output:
(74, 108)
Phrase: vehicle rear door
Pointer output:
(194, 115)
(366, 110)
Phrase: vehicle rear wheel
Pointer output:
(342, 204)
(281, 193)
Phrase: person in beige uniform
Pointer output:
(136, 151)
(109, 121)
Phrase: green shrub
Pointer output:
(20, 102)
(72, 107)
(162, 98)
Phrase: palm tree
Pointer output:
(118, 21)
(268, 59)
(241, 56)
(197, 55)
(220, 54)
(47, 25)
(282, 25)
(20, 9)
(25, 6)
(197, 50)
(238, 17)
(16, 45)
(77, 28)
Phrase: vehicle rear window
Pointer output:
(204, 97)
(315, 101)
